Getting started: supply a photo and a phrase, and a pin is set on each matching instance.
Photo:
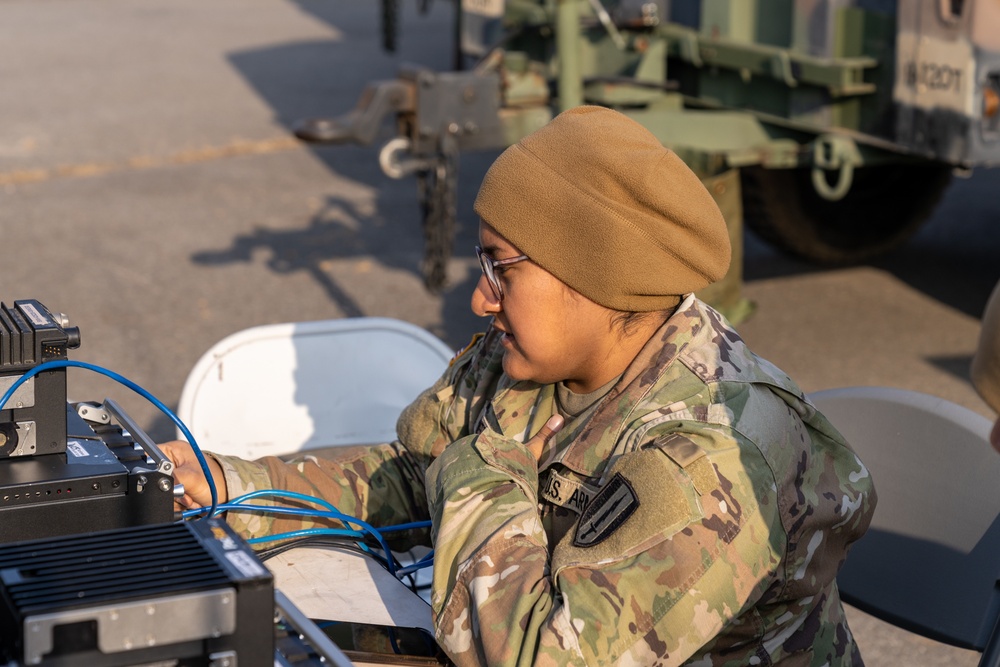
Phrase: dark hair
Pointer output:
(625, 320)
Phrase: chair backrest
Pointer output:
(931, 559)
(277, 389)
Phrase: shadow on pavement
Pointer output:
(325, 78)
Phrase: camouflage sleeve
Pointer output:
(383, 484)
(379, 484)
(490, 554)
(441, 414)
(663, 558)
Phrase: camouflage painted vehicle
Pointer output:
(832, 127)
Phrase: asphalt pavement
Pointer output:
(150, 188)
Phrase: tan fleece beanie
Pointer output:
(597, 201)
(986, 362)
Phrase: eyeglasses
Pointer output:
(489, 266)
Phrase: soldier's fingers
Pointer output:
(550, 428)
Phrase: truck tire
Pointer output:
(883, 208)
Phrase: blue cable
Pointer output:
(330, 507)
(243, 507)
(273, 509)
(404, 526)
(65, 363)
(425, 562)
(239, 503)
(305, 532)
(334, 514)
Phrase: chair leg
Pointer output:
(991, 652)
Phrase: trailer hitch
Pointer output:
(361, 124)
(438, 114)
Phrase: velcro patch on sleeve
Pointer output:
(692, 459)
(646, 499)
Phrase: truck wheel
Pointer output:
(883, 208)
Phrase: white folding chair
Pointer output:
(282, 388)
(931, 559)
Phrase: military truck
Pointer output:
(831, 127)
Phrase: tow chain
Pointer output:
(437, 190)
(390, 21)
(390, 24)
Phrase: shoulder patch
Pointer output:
(606, 512)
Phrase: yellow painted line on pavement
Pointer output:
(235, 148)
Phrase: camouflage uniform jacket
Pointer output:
(697, 516)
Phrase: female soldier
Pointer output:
(612, 476)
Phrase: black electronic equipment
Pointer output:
(94, 569)
(185, 594)
(110, 476)
(33, 421)
(67, 469)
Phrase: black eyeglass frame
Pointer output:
(489, 266)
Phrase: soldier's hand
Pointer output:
(187, 471)
(537, 444)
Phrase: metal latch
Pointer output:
(834, 153)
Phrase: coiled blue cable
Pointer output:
(334, 513)
(331, 512)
